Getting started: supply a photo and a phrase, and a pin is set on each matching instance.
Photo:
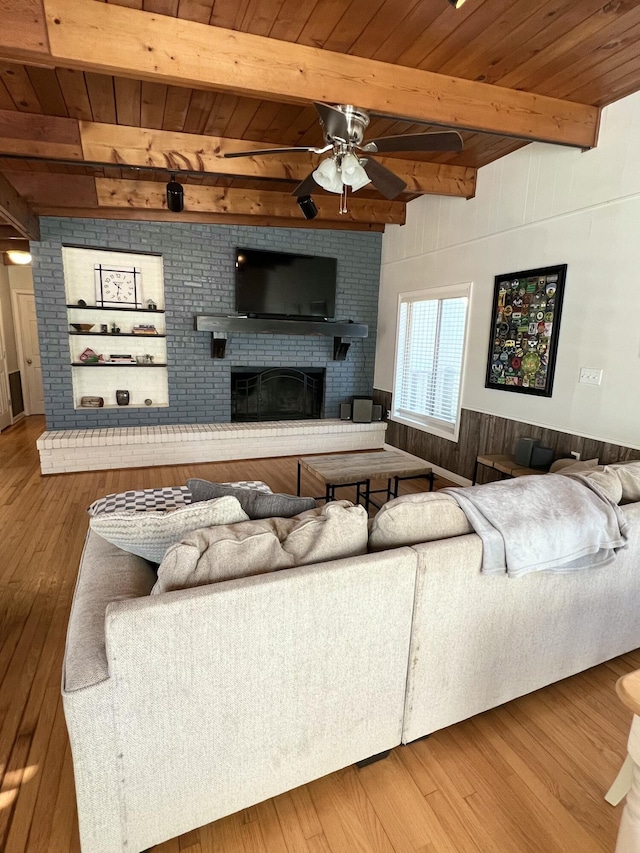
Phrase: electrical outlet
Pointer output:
(575, 455)
(590, 375)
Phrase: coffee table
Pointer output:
(358, 469)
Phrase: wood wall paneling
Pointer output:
(483, 433)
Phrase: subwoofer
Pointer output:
(345, 411)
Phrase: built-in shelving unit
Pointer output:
(82, 286)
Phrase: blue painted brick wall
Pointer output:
(199, 279)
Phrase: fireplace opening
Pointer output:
(276, 393)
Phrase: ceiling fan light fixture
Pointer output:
(327, 177)
(353, 175)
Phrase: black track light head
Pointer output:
(456, 3)
(175, 196)
(308, 206)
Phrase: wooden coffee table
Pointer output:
(359, 469)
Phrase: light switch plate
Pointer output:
(590, 375)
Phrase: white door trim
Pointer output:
(19, 346)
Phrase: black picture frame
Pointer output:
(525, 327)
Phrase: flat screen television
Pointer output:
(278, 284)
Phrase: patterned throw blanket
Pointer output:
(537, 523)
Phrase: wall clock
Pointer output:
(118, 287)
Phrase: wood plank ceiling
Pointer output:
(585, 53)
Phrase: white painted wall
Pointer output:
(540, 205)
(6, 318)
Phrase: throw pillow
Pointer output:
(226, 552)
(569, 465)
(149, 534)
(415, 518)
(256, 504)
(142, 500)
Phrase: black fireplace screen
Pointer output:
(276, 394)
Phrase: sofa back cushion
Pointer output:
(331, 532)
(415, 518)
(629, 476)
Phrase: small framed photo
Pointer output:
(525, 325)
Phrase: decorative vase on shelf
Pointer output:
(122, 398)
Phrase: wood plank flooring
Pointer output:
(526, 777)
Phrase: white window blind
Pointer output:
(431, 336)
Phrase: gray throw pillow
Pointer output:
(255, 504)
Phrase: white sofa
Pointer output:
(187, 706)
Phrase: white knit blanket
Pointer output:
(537, 523)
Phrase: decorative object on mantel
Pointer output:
(151, 305)
(122, 358)
(82, 327)
(524, 330)
(220, 324)
(122, 398)
(148, 401)
(144, 329)
(92, 402)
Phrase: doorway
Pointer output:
(26, 325)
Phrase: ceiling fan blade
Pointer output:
(334, 121)
(447, 140)
(306, 187)
(260, 153)
(388, 184)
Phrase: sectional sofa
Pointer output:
(184, 706)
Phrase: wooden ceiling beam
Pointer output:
(207, 218)
(151, 195)
(51, 138)
(148, 46)
(14, 245)
(17, 212)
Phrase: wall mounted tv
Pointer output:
(277, 284)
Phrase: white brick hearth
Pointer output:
(63, 451)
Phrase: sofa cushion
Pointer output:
(331, 532)
(149, 534)
(605, 477)
(255, 503)
(415, 518)
(142, 500)
(629, 476)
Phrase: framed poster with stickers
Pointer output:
(525, 325)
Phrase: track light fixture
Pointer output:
(456, 3)
(175, 195)
(308, 206)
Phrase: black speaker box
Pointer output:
(541, 457)
(345, 411)
(362, 409)
(376, 412)
(523, 450)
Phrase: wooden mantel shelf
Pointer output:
(220, 324)
(277, 326)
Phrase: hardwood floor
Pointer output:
(528, 776)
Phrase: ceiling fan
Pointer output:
(350, 163)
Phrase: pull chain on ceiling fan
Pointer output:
(344, 126)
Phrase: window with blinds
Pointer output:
(429, 356)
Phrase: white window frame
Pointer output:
(435, 426)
